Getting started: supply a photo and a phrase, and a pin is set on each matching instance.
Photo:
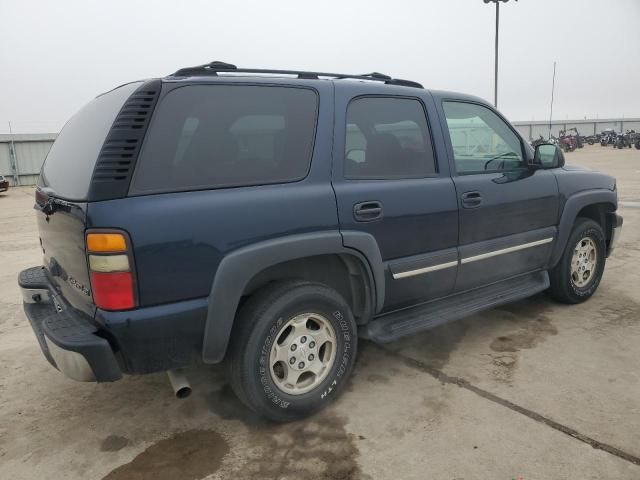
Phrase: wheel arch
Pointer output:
(315, 256)
(344, 272)
(594, 204)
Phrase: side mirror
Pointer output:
(547, 156)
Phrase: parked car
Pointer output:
(4, 184)
(269, 219)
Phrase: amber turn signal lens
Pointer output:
(106, 242)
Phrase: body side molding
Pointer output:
(502, 251)
(420, 271)
(424, 263)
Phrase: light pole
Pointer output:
(553, 88)
(495, 88)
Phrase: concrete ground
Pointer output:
(533, 390)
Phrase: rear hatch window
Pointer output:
(69, 165)
(211, 136)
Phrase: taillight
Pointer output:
(106, 242)
(112, 281)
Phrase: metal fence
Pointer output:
(22, 155)
(533, 130)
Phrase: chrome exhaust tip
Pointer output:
(179, 383)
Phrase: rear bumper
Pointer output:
(157, 338)
(615, 221)
(103, 348)
(67, 338)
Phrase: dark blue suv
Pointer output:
(269, 219)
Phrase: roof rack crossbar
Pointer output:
(216, 67)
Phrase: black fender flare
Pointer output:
(572, 206)
(238, 267)
(366, 244)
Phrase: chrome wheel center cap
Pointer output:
(302, 353)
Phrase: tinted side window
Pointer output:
(207, 136)
(387, 138)
(481, 140)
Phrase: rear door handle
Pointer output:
(367, 211)
(471, 199)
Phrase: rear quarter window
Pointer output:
(69, 165)
(215, 136)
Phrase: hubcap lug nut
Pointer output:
(312, 344)
(303, 339)
(301, 365)
(311, 357)
(292, 360)
(293, 347)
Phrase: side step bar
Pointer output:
(393, 326)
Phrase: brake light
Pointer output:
(112, 280)
(113, 291)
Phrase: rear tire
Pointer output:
(292, 350)
(578, 273)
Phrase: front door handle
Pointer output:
(471, 199)
(367, 211)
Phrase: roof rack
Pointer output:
(216, 67)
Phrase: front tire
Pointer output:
(578, 273)
(293, 349)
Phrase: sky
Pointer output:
(55, 56)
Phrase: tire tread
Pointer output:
(560, 288)
(251, 316)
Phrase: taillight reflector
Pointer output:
(109, 263)
(113, 291)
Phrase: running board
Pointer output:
(395, 325)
